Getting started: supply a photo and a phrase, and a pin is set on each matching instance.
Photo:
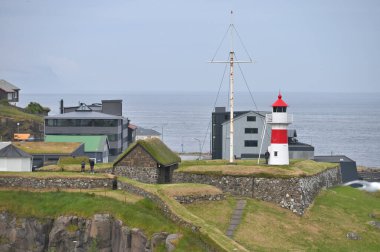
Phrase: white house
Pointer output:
(248, 131)
(15, 160)
(143, 133)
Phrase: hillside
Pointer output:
(324, 227)
(28, 123)
(133, 211)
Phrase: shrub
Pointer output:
(36, 108)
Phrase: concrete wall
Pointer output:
(295, 194)
(301, 154)
(240, 136)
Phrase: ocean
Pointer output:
(334, 123)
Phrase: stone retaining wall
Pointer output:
(42, 183)
(295, 194)
(143, 174)
(161, 204)
(187, 199)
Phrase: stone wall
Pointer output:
(295, 194)
(143, 174)
(161, 204)
(72, 233)
(187, 199)
(239, 186)
(56, 182)
(138, 157)
(138, 165)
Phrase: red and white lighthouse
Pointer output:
(279, 119)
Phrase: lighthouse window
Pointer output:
(279, 109)
(275, 153)
(251, 119)
(251, 130)
(250, 143)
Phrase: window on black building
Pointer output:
(251, 130)
(250, 143)
(251, 118)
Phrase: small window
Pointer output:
(251, 118)
(279, 109)
(250, 143)
(251, 130)
(275, 154)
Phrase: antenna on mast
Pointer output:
(231, 62)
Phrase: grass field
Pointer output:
(266, 227)
(75, 167)
(296, 168)
(142, 214)
(16, 114)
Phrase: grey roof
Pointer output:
(7, 87)
(12, 151)
(259, 113)
(84, 114)
(146, 132)
(4, 144)
(292, 133)
(333, 159)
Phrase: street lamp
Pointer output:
(200, 148)
(18, 127)
(162, 130)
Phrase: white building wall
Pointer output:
(240, 123)
(16, 164)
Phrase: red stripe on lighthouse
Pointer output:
(279, 136)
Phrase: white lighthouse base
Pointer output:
(279, 154)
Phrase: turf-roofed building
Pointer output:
(95, 147)
(49, 153)
(148, 161)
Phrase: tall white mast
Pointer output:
(232, 95)
(231, 62)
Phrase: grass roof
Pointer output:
(250, 168)
(156, 148)
(47, 148)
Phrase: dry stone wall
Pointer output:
(143, 174)
(55, 182)
(188, 199)
(295, 194)
(138, 165)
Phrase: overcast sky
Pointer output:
(139, 45)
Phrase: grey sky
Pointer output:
(138, 45)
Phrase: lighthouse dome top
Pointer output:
(279, 102)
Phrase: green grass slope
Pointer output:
(266, 227)
(142, 214)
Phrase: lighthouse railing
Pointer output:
(279, 118)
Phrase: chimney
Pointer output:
(61, 108)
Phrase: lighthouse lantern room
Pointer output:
(279, 119)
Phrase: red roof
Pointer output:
(279, 102)
(132, 126)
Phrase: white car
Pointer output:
(364, 185)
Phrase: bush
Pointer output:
(36, 108)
